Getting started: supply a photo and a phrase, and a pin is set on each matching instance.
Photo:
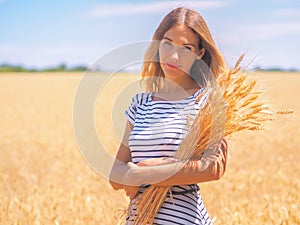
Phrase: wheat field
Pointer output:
(45, 180)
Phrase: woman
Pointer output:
(180, 59)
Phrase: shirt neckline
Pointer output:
(179, 100)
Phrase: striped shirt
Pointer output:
(159, 128)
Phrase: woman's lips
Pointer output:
(173, 66)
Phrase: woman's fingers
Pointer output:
(131, 191)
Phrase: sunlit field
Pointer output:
(45, 180)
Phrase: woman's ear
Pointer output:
(201, 53)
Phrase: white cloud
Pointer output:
(285, 1)
(253, 32)
(4, 49)
(272, 30)
(274, 43)
(46, 55)
(67, 50)
(107, 10)
(63, 50)
(289, 12)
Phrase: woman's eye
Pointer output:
(187, 48)
(167, 43)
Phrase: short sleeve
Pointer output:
(136, 101)
(130, 112)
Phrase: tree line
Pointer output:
(5, 67)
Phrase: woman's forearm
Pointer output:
(120, 168)
(193, 172)
(117, 174)
(211, 167)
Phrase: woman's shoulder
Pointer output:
(141, 98)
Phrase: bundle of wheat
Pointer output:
(231, 105)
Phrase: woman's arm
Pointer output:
(211, 167)
(123, 156)
(159, 172)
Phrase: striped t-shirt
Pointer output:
(159, 128)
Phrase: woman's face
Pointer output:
(178, 50)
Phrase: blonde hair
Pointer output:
(213, 59)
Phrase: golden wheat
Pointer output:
(44, 179)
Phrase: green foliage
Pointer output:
(274, 69)
(11, 68)
(6, 68)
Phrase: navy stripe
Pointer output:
(179, 211)
(159, 144)
(173, 215)
(159, 127)
(156, 139)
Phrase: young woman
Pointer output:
(180, 59)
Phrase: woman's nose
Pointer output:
(175, 55)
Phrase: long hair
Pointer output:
(211, 64)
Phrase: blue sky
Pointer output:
(37, 33)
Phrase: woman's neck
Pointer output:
(177, 89)
(183, 83)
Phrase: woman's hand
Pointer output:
(132, 178)
(131, 191)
